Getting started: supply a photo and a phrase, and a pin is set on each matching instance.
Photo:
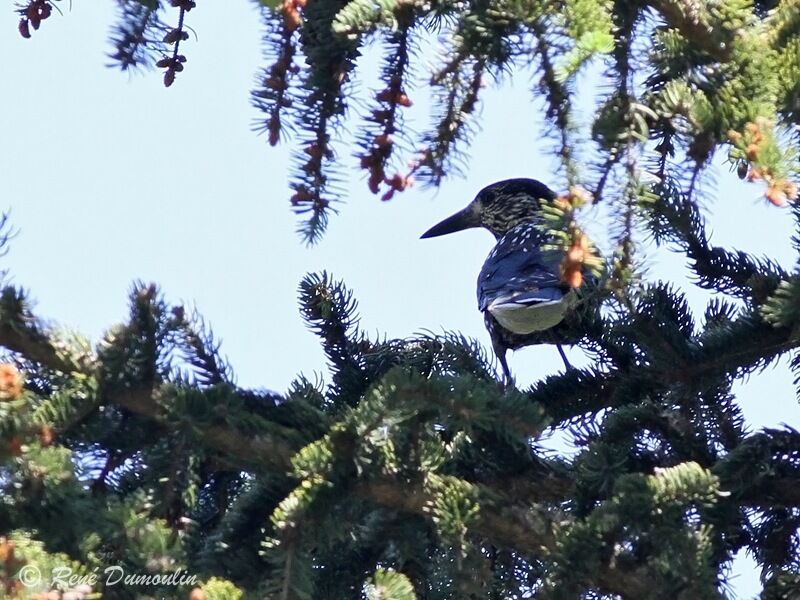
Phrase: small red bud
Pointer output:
(291, 15)
(24, 30)
(274, 129)
(776, 195)
(384, 140)
(398, 182)
(375, 179)
(575, 255)
(301, 195)
(573, 278)
(313, 150)
(172, 36)
(275, 83)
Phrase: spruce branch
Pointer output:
(558, 98)
(378, 143)
(716, 67)
(699, 23)
(22, 332)
(173, 63)
(330, 59)
(370, 452)
(676, 219)
(524, 528)
(458, 85)
(201, 350)
(330, 311)
(763, 471)
(730, 350)
(273, 96)
(32, 13)
(263, 450)
(137, 36)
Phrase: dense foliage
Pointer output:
(413, 472)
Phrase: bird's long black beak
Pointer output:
(463, 219)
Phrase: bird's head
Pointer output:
(498, 207)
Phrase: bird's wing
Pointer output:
(518, 272)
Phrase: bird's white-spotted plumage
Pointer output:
(519, 284)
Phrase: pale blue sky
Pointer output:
(112, 177)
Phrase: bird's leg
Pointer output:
(508, 381)
(509, 378)
(500, 351)
(564, 357)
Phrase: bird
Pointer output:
(520, 289)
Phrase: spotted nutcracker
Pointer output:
(520, 289)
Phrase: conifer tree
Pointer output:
(412, 471)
